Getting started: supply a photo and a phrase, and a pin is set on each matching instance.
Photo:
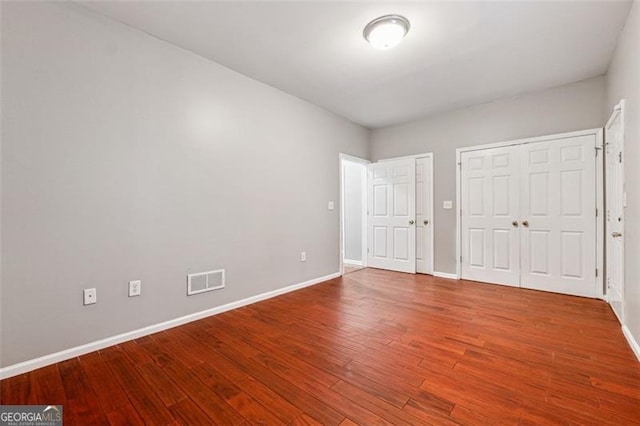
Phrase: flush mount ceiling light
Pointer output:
(386, 31)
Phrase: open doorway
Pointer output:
(353, 211)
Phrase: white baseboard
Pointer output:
(352, 262)
(445, 275)
(43, 361)
(632, 341)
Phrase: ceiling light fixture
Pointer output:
(386, 31)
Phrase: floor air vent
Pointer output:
(205, 281)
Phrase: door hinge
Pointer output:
(620, 157)
(460, 259)
(596, 272)
(596, 212)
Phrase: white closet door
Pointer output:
(615, 211)
(391, 215)
(558, 227)
(490, 210)
(424, 225)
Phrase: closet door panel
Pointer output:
(490, 206)
(558, 227)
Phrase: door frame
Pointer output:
(598, 133)
(433, 213)
(618, 110)
(342, 158)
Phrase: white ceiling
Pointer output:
(456, 53)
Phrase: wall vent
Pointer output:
(205, 281)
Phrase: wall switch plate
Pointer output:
(447, 204)
(331, 206)
(90, 296)
(135, 288)
(303, 256)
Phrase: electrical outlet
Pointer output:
(331, 205)
(90, 296)
(135, 288)
(303, 256)
(447, 205)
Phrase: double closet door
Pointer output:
(399, 216)
(529, 215)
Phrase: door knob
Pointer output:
(426, 222)
(616, 234)
(411, 222)
(525, 223)
(515, 223)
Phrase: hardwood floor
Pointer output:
(374, 347)
(347, 269)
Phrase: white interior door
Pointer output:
(424, 215)
(490, 211)
(558, 210)
(391, 215)
(614, 170)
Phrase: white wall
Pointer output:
(354, 175)
(576, 106)
(623, 82)
(124, 157)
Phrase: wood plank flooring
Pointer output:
(373, 347)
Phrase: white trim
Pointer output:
(445, 275)
(43, 361)
(433, 213)
(618, 108)
(600, 238)
(365, 243)
(458, 212)
(632, 341)
(531, 140)
(353, 262)
(407, 157)
(341, 231)
(598, 133)
(354, 159)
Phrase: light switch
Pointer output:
(447, 204)
(330, 205)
